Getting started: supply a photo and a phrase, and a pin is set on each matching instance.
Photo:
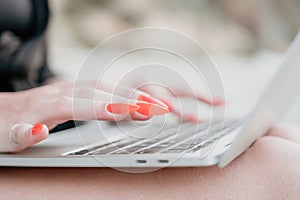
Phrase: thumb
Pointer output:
(23, 135)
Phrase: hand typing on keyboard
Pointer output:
(50, 105)
(172, 97)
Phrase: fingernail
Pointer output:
(218, 102)
(193, 119)
(36, 129)
(149, 109)
(212, 102)
(152, 100)
(167, 103)
(121, 108)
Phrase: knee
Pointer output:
(278, 159)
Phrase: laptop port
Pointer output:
(163, 161)
(141, 161)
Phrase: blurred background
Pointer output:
(239, 27)
(246, 39)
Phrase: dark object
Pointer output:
(23, 52)
(67, 125)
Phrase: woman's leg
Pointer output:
(269, 169)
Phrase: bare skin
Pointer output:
(56, 103)
(270, 169)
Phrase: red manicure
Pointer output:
(36, 129)
(218, 102)
(153, 100)
(151, 109)
(121, 108)
(167, 103)
(213, 102)
(192, 119)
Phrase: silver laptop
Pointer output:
(173, 144)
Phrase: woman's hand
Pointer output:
(27, 116)
(172, 100)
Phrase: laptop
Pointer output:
(173, 144)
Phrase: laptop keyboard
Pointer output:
(183, 137)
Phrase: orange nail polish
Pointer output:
(167, 103)
(151, 109)
(218, 102)
(145, 98)
(36, 129)
(213, 102)
(193, 119)
(121, 108)
(152, 100)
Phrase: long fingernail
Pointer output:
(193, 119)
(121, 108)
(218, 102)
(167, 103)
(152, 100)
(149, 109)
(36, 129)
(213, 102)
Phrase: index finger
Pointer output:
(123, 91)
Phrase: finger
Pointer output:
(136, 94)
(67, 108)
(173, 103)
(122, 91)
(23, 135)
(138, 116)
(60, 90)
(145, 111)
(90, 94)
(176, 93)
(106, 93)
(202, 98)
(99, 95)
(187, 117)
(286, 131)
(67, 89)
